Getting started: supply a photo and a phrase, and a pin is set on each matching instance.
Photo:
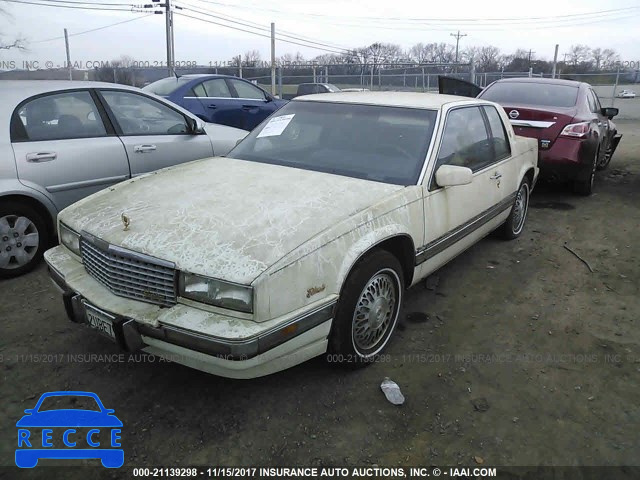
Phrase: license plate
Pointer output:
(100, 321)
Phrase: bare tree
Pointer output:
(609, 56)
(596, 56)
(251, 58)
(18, 43)
(578, 54)
(423, 53)
(488, 59)
(120, 71)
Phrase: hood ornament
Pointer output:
(125, 221)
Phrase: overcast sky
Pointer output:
(535, 25)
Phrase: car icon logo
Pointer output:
(88, 430)
(514, 114)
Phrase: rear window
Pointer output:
(531, 93)
(166, 86)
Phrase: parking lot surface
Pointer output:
(515, 353)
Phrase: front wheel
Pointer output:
(368, 310)
(514, 225)
(23, 239)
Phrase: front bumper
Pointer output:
(207, 341)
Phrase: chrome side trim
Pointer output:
(448, 239)
(241, 349)
(531, 123)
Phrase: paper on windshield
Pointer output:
(276, 126)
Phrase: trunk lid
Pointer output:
(541, 123)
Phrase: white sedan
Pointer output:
(302, 241)
(626, 94)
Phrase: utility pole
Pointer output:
(169, 36)
(66, 44)
(555, 62)
(458, 37)
(531, 52)
(273, 59)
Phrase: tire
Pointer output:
(606, 160)
(352, 342)
(24, 236)
(585, 187)
(514, 225)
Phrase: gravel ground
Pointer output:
(515, 354)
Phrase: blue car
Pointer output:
(219, 99)
(88, 430)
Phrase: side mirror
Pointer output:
(268, 98)
(109, 411)
(195, 127)
(609, 112)
(452, 175)
(29, 411)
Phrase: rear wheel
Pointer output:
(606, 159)
(368, 310)
(23, 239)
(585, 187)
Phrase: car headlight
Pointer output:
(216, 292)
(69, 238)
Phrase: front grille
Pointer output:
(129, 274)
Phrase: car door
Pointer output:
(65, 145)
(456, 216)
(218, 103)
(154, 134)
(255, 103)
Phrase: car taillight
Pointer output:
(576, 130)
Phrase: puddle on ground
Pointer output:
(553, 205)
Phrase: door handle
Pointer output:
(249, 107)
(41, 156)
(144, 148)
(496, 176)
(211, 105)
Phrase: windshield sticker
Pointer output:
(276, 126)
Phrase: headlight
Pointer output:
(69, 238)
(216, 292)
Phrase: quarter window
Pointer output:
(246, 90)
(465, 142)
(60, 116)
(140, 115)
(501, 147)
(596, 101)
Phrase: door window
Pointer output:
(501, 147)
(140, 115)
(198, 91)
(246, 90)
(465, 142)
(217, 88)
(59, 116)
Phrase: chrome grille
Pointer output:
(129, 274)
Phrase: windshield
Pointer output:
(384, 144)
(66, 402)
(531, 93)
(166, 86)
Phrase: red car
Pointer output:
(575, 133)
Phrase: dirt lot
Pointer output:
(525, 357)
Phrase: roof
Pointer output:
(553, 81)
(390, 99)
(14, 91)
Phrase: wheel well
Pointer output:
(37, 206)
(403, 249)
(529, 175)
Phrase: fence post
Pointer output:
(423, 79)
(530, 72)
(280, 81)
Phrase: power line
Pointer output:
(228, 19)
(75, 7)
(430, 21)
(258, 34)
(92, 30)
(284, 33)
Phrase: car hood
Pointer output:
(69, 418)
(225, 218)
